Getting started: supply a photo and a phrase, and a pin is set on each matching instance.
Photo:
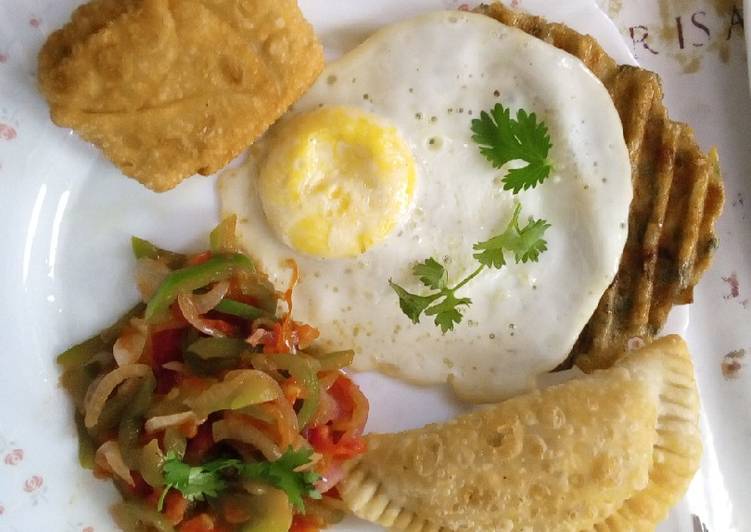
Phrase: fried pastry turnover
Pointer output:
(613, 450)
(169, 88)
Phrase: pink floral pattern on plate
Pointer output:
(7, 132)
(14, 457)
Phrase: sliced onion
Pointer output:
(150, 464)
(179, 367)
(240, 388)
(261, 362)
(190, 312)
(286, 420)
(130, 344)
(237, 427)
(301, 443)
(100, 390)
(327, 379)
(257, 337)
(150, 273)
(328, 409)
(109, 458)
(209, 300)
(158, 423)
(334, 474)
(174, 441)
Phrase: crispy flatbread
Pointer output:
(678, 196)
(168, 88)
(613, 450)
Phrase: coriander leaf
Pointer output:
(193, 482)
(530, 243)
(221, 464)
(411, 304)
(526, 243)
(447, 313)
(431, 273)
(490, 252)
(493, 132)
(527, 177)
(282, 474)
(196, 483)
(503, 139)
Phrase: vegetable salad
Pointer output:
(209, 406)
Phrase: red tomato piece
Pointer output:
(199, 259)
(199, 523)
(304, 523)
(175, 507)
(166, 346)
(344, 447)
(200, 444)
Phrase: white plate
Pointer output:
(66, 270)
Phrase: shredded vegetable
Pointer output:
(239, 309)
(239, 389)
(94, 402)
(109, 458)
(304, 370)
(244, 430)
(204, 406)
(194, 277)
(208, 348)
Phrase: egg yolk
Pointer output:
(335, 181)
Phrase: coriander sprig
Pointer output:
(195, 483)
(503, 139)
(526, 243)
(523, 243)
(442, 303)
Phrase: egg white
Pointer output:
(430, 76)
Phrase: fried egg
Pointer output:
(375, 169)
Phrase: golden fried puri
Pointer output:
(678, 196)
(169, 88)
(613, 450)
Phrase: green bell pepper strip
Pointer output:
(112, 413)
(133, 516)
(86, 446)
(260, 289)
(81, 353)
(174, 442)
(223, 239)
(191, 278)
(208, 348)
(243, 388)
(143, 249)
(213, 367)
(271, 512)
(76, 381)
(242, 310)
(305, 371)
(335, 360)
(131, 422)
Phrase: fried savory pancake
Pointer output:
(169, 88)
(678, 196)
(613, 450)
